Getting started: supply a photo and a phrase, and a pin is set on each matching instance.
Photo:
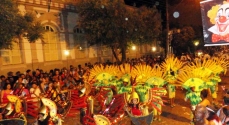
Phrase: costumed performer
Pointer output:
(134, 104)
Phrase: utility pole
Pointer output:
(167, 30)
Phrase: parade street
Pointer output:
(178, 115)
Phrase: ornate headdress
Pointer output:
(103, 74)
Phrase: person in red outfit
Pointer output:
(5, 92)
(134, 105)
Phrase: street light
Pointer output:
(196, 43)
(154, 49)
(133, 47)
(66, 53)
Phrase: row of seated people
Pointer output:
(52, 90)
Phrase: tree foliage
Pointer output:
(15, 25)
(183, 42)
(190, 16)
(115, 25)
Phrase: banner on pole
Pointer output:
(215, 20)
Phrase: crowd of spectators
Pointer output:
(42, 83)
(39, 82)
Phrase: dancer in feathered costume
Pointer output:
(219, 67)
(193, 80)
(149, 87)
(209, 70)
(134, 104)
(106, 78)
(171, 67)
(125, 81)
(156, 83)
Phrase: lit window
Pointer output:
(11, 56)
(51, 52)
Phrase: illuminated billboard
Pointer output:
(215, 20)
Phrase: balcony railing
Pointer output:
(54, 3)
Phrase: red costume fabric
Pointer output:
(136, 111)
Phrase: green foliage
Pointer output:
(189, 16)
(35, 32)
(115, 25)
(15, 25)
(182, 42)
(7, 22)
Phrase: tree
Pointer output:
(15, 25)
(189, 16)
(115, 25)
(182, 42)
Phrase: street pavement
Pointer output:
(178, 115)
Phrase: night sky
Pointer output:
(160, 4)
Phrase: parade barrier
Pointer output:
(76, 103)
(32, 106)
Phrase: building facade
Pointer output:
(63, 35)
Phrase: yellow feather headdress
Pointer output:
(100, 72)
(172, 63)
(141, 72)
(124, 71)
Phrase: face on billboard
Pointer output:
(215, 19)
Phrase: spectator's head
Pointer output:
(34, 73)
(21, 85)
(50, 84)
(57, 71)
(38, 72)
(41, 71)
(79, 67)
(20, 80)
(18, 73)
(28, 71)
(34, 85)
(226, 100)
(51, 71)
(7, 86)
(22, 76)
(3, 78)
(10, 74)
(43, 79)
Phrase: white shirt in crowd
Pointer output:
(35, 92)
